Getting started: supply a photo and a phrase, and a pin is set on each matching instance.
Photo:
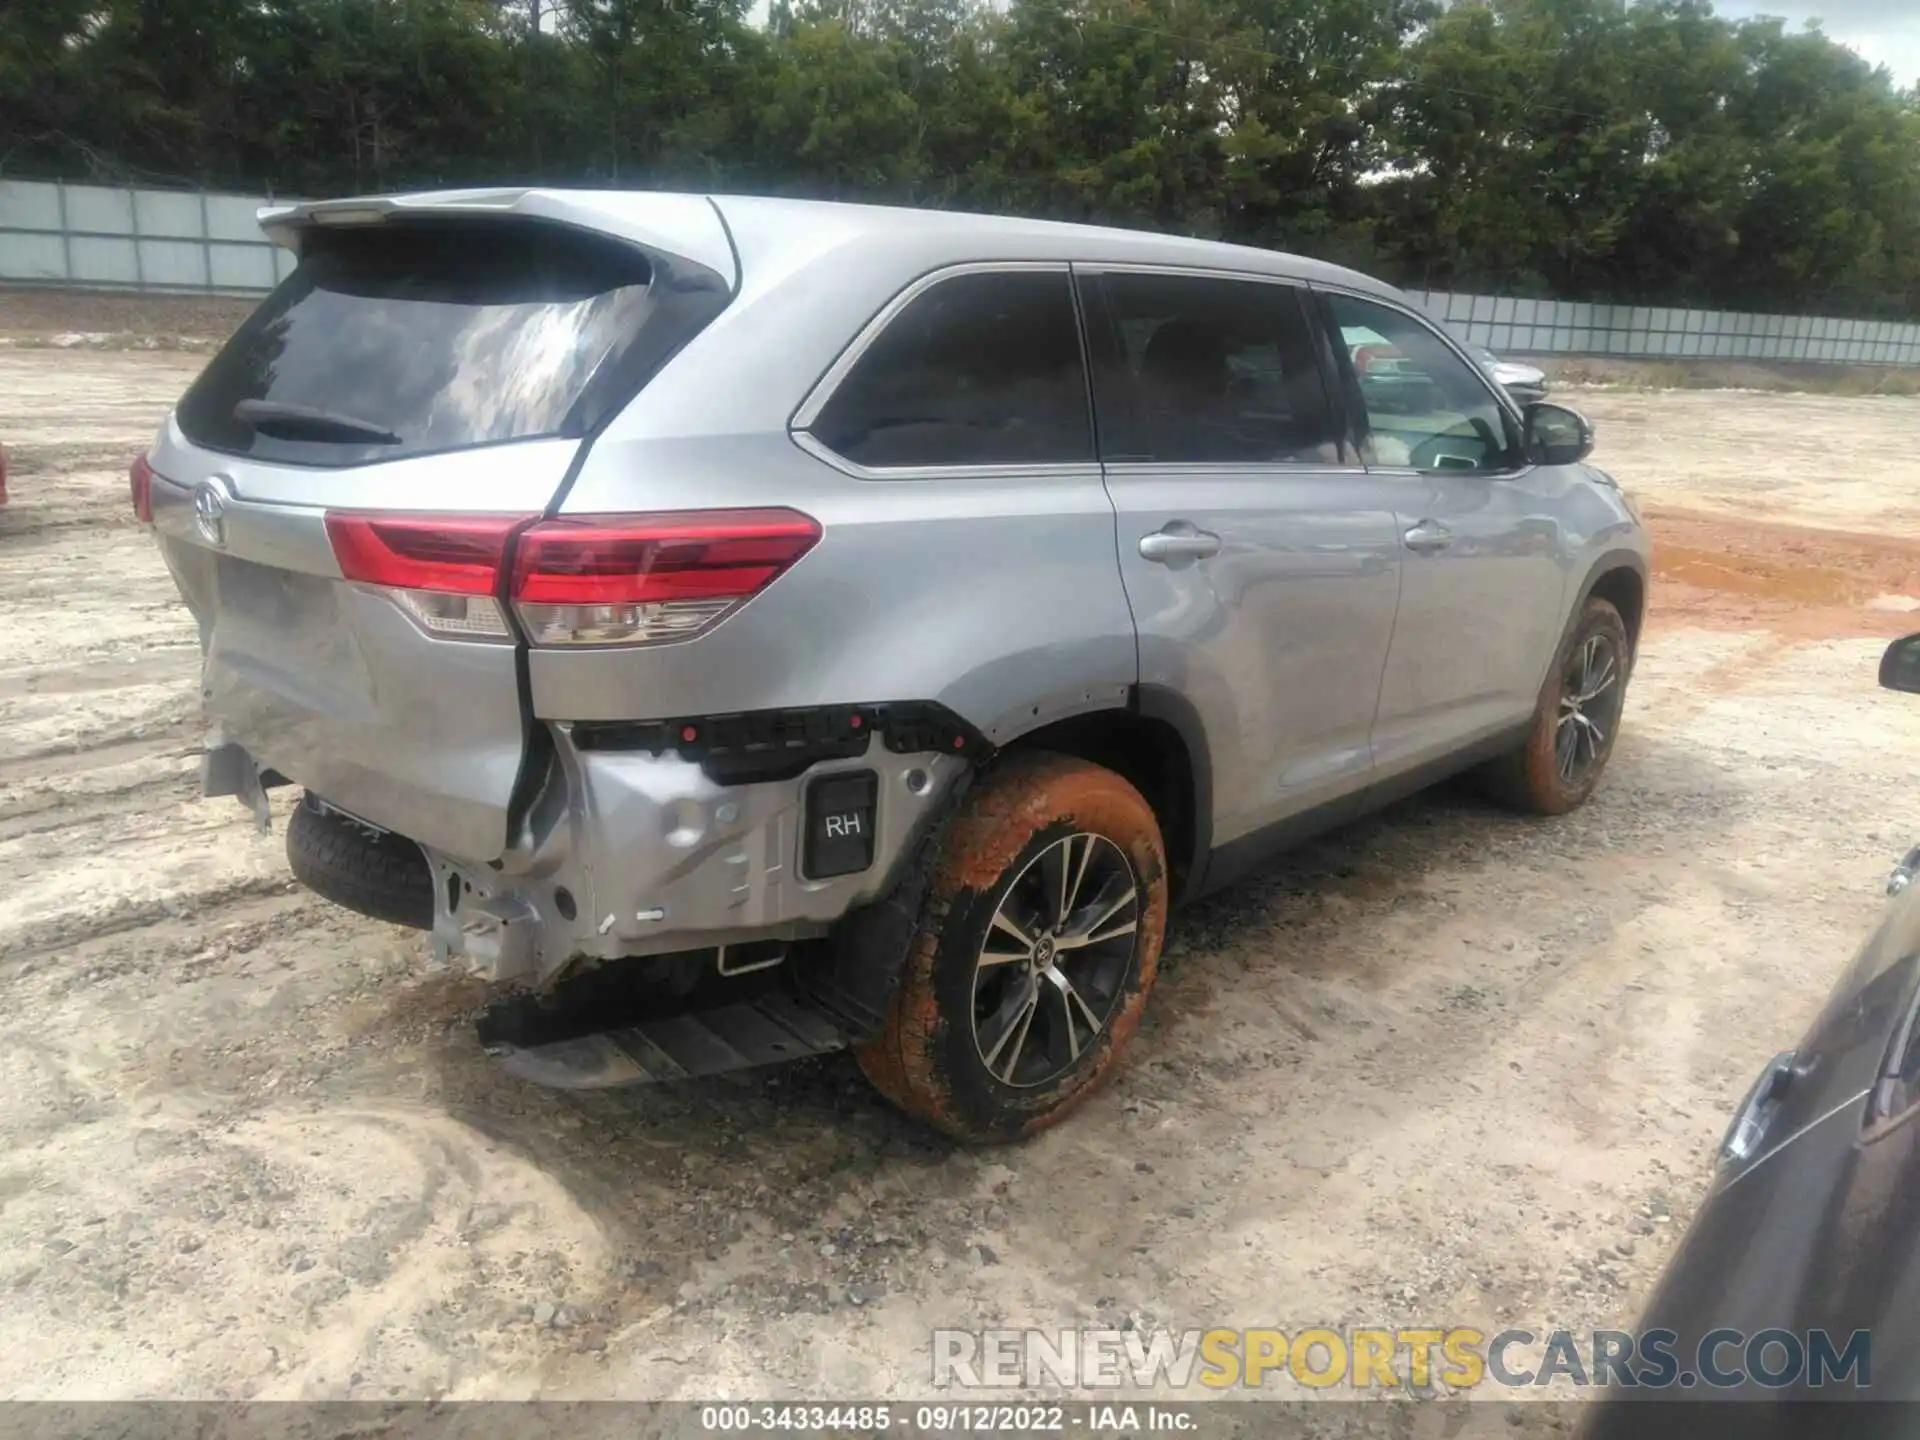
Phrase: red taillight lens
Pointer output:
(445, 570)
(452, 554)
(639, 579)
(140, 483)
(598, 580)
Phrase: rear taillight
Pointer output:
(595, 580)
(640, 579)
(140, 483)
(445, 570)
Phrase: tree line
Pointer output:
(1653, 152)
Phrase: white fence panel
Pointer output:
(188, 241)
(123, 237)
(1558, 327)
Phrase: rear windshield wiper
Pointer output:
(305, 420)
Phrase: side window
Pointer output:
(1424, 407)
(1210, 370)
(982, 369)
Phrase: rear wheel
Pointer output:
(1035, 951)
(1575, 723)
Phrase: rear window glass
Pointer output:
(408, 339)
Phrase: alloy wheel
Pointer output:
(1591, 697)
(1055, 960)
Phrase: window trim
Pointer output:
(1197, 272)
(1092, 272)
(1501, 398)
(1037, 470)
(800, 425)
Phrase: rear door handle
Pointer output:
(1428, 537)
(1748, 1130)
(1179, 540)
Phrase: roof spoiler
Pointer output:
(686, 227)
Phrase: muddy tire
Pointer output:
(382, 876)
(1015, 1003)
(1575, 723)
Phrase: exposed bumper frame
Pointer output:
(626, 853)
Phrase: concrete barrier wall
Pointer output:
(124, 238)
(1560, 327)
(110, 237)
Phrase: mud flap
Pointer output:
(227, 769)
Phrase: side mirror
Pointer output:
(1900, 666)
(1557, 435)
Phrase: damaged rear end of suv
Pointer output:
(502, 551)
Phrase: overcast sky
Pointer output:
(1887, 32)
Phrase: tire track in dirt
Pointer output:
(1797, 582)
(190, 1009)
(99, 830)
(51, 809)
(27, 783)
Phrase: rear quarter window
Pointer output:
(415, 338)
(979, 369)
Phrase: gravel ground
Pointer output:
(37, 318)
(1445, 1067)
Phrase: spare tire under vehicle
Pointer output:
(370, 871)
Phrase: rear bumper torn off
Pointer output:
(635, 854)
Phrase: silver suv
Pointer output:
(745, 627)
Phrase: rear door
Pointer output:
(1260, 558)
(337, 493)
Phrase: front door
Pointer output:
(1260, 559)
(1483, 579)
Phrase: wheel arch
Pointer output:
(1620, 578)
(1158, 745)
(1622, 583)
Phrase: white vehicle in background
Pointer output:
(1526, 383)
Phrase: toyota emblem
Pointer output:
(210, 513)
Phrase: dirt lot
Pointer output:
(1446, 1067)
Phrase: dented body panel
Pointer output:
(330, 684)
(653, 858)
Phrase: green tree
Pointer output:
(1635, 150)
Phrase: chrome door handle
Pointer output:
(1178, 540)
(1428, 537)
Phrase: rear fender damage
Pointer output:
(630, 853)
